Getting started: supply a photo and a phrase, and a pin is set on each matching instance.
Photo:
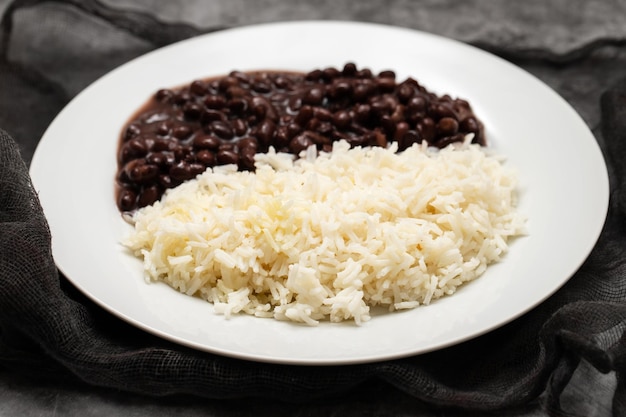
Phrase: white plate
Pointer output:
(564, 190)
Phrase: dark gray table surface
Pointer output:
(549, 39)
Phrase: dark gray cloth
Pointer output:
(48, 330)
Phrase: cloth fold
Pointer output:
(50, 330)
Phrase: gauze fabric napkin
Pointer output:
(51, 331)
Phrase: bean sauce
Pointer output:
(180, 132)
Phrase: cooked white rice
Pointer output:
(327, 237)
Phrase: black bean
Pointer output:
(447, 126)
(342, 119)
(166, 181)
(362, 113)
(312, 124)
(148, 196)
(259, 112)
(440, 110)
(246, 158)
(181, 98)
(401, 129)
(214, 102)
(479, 138)
(161, 144)
(157, 159)
(304, 115)
(190, 157)
(181, 132)
(237, 105)
(227, 82)
(295, 103)
(349, 69)
(314, 96)
(325, 128)
(300, 143)
(314, 75)
(239, 127)
(262, 87)
(336, 135)
(248, 142)
(281, 137)
(411, 82)
(132, 149)
(262, 107)
(357, 128)
(378, 139)
(386, 84)
(408, 139)
(357, 140)
(206, 158)
(247, 151)
(214, 85)
(447, 140)
(225, 157)
(242, 77)
(379, 107)
(469, 125)
(317, 138)
(127, 199)
(405, 92)
(362, 91)
(181, 151)
(328, 74)
(388, 125)
(427, 129)
(417, 104)
(264, 132)
(278, 99)
(198, 88)
(461, 106)
(143, 173)
(235, 91)
(398, 112)
(222, 129)
(282, 83)
(364, 73)
(161, 159)
(170, 159)
(227, 146)
(163, 129)
(340, 88)
(203, 141)
(163, 94)
(149, 141)
(196, 168)
(211, 115)
(131, 131)
(322, 114)
(182, 171)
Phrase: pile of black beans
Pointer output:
(182, 131)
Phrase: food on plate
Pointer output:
(180, 132)
(333, 233)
